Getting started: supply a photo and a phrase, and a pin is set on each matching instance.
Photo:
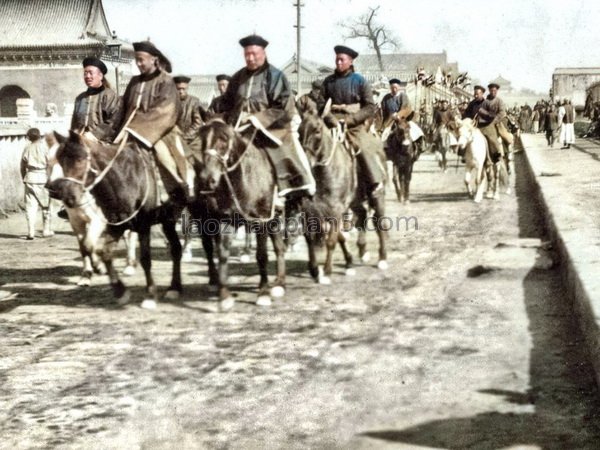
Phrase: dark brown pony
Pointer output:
(402, 152)
(334, 170)
(121, 181)
(236, 186)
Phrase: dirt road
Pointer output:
(466, 341)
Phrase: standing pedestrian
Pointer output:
(34, 172)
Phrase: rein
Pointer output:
(89, 199)
(337, 136)
(223, 159)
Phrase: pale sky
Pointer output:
(524, 41)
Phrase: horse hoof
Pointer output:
(324, 279)
(383, 265)
(263, 300)
(187, 257)
(129, 271)
(148, 304)
(477, 199)
(84, 282)
(350, 272)
(277, 291)
(172, 295)
(366, 257)
(124, 299)
(496, 196)
(407, 202)
(245, 259)
(508, 191)
(226, 304)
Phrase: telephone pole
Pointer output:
(299, 27)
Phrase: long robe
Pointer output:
(354, 91)
(93, 108)
(265, 93)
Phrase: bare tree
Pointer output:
(377, 35)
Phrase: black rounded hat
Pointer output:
(398, 82)
(493, 85)
(222, 77)
(479, 87)
(93, 61)
(150, 48)
(181, 79)
(345, 50)
(254, 39)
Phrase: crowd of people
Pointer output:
(555, 119)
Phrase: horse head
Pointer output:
(220, 148)
(74, 159)
(312, 133)
(465, 132)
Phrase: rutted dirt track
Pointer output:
(464, 342)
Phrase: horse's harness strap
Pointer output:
(102, 174)
(139, 208)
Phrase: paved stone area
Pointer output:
(467, 341)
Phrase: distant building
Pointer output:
(405, 65)
(42, 45)
(574, 82)
(505, 85)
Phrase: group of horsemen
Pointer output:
(159, 115)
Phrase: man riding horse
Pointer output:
(260, 95)
(148, 116)
(352, 102)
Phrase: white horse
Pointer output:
(473, 142)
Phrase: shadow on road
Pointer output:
(563, 391)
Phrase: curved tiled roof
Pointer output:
(51, 23)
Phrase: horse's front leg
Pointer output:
(208, 243)
(347, 255)
(146, 262)
(497, 174)
(360, 220)
(313, 266)
(378, 205)
(131, 239)
(262, 259)
(170, 231)
(396, 181)
(120, 292)
(330, 242)
(279, 246)
(226, 301)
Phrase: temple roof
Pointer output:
(501, 81)
(52, 23)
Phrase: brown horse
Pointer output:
(236, 186)
(121, 181)
(402, 153)
(334, 169)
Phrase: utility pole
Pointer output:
(299, 27)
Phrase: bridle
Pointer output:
(226, 169)
(99, 176)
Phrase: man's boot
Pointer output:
(47, 224)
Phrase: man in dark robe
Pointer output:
(148, 115)
(260, 94)
(99, 103)
(190, 119)
(492, 123)
(475, 104)
(394, 101)
(352, 102)
(216, 106)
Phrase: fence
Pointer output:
(11, 185)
